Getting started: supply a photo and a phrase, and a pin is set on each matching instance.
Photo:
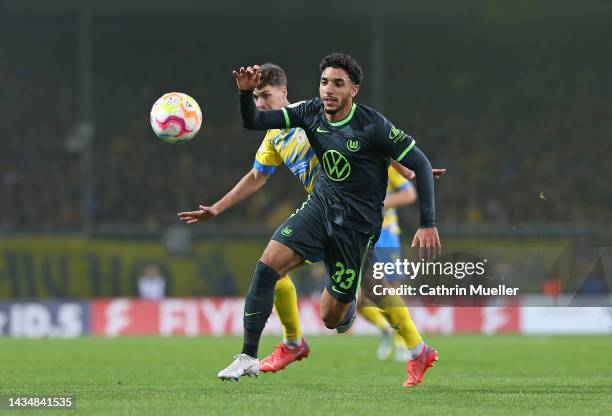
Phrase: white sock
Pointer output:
(292, 343)
(415, 351)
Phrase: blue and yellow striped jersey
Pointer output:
(291, 147)
(396, 183)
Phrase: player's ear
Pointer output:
(354, 91)
(284, 91)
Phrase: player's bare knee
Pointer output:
(273, 261)
(280, 258)
(268, 262)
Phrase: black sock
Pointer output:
(258, 306)
(251, 343)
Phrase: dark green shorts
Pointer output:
(310, 234)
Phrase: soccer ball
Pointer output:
(176, 117)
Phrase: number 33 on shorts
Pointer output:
(344, 277)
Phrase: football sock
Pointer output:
(292, 344)
(285, 302)
(400, 320)
(373, 315)
(258, 306)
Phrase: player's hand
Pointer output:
(409, 173)
(428, 242)
(247, 79)
(437, 172)
(203, 214)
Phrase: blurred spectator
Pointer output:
(552, 287)
(152, 285)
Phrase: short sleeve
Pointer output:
(267, 158)
(297, 114)
(394, 141)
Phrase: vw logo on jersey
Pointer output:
(353, 145)
(336, 166)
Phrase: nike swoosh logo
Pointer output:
(336, 290)
(319, 130)
(251, 313)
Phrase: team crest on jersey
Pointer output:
(299, 137)
(353, 144)
(396, 135)
(336, 166)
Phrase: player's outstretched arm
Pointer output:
(253, 118)
(247, 186)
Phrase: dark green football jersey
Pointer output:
(354, 155)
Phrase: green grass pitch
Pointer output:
(501, 375)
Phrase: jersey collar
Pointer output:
(345, 119)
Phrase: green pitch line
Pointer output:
(476, 375)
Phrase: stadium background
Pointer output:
(514, 99)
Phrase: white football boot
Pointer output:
(243, 365)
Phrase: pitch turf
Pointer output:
(501, 375)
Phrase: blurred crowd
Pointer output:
(521, 121)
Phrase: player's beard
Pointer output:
(341, 104)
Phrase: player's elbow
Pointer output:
(422, 164)
(259, 177)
